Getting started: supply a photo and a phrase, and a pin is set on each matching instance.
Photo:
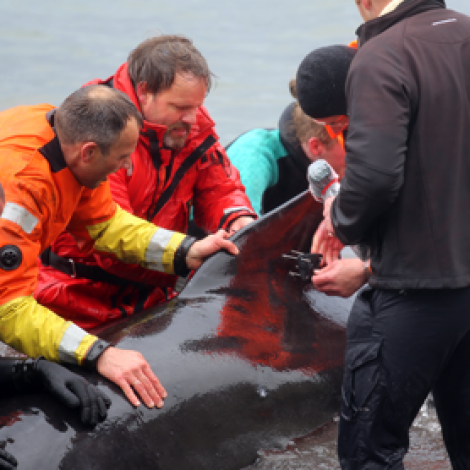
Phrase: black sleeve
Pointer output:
(179, 263)
(376, 145)
(17, 376)
(7, 384)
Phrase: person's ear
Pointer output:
(315, 147)
(141, 93)
(88, 152)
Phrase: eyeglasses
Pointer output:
(334, 125)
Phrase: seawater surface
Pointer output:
(50, 48)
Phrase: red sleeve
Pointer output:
(219, 193)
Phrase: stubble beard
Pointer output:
(176, 143)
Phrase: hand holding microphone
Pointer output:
(323, 183)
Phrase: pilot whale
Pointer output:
(251, 357)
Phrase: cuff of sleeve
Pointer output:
(94, 353)
(179, 263)
(227, 219)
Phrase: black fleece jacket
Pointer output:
(406, 189)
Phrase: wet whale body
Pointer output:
(251, 358)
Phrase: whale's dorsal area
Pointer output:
(251, 358)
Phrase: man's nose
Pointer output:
(190, 117)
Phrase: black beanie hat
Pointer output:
(321, 81)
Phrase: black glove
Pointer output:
(39, 374)
(73, 390)
(7, 461)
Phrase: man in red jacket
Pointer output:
(178, 166)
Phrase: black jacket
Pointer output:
(406, 189)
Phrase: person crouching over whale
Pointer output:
(273, 163)
(54, 164)
(178, 165)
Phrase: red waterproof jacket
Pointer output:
(211, 186)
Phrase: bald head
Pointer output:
(96, 113)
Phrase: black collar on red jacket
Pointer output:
(408, 8)
(52, 150)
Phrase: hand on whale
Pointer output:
(239, 223)
(200, 250)
(131, 372)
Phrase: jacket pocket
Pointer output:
(361, 376)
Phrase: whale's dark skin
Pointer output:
(250, 356)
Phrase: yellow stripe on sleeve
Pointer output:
(134, 240)
(35, 330)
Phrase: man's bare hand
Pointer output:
(239, 223)
(342, 277)
(201, 249)
(326, 244)
(132, 373)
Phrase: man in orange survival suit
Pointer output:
(54, 165)
(178, 164)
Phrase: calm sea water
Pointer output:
(50, 48)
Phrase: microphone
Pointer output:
(323, 182)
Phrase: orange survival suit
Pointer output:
(43, 198)
(162, 187)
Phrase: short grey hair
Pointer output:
(96, 113)
(157, 60)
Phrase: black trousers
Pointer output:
(401, 346)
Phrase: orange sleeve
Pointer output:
(95, 207)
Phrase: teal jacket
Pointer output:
(256, 155)
(272, 165)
